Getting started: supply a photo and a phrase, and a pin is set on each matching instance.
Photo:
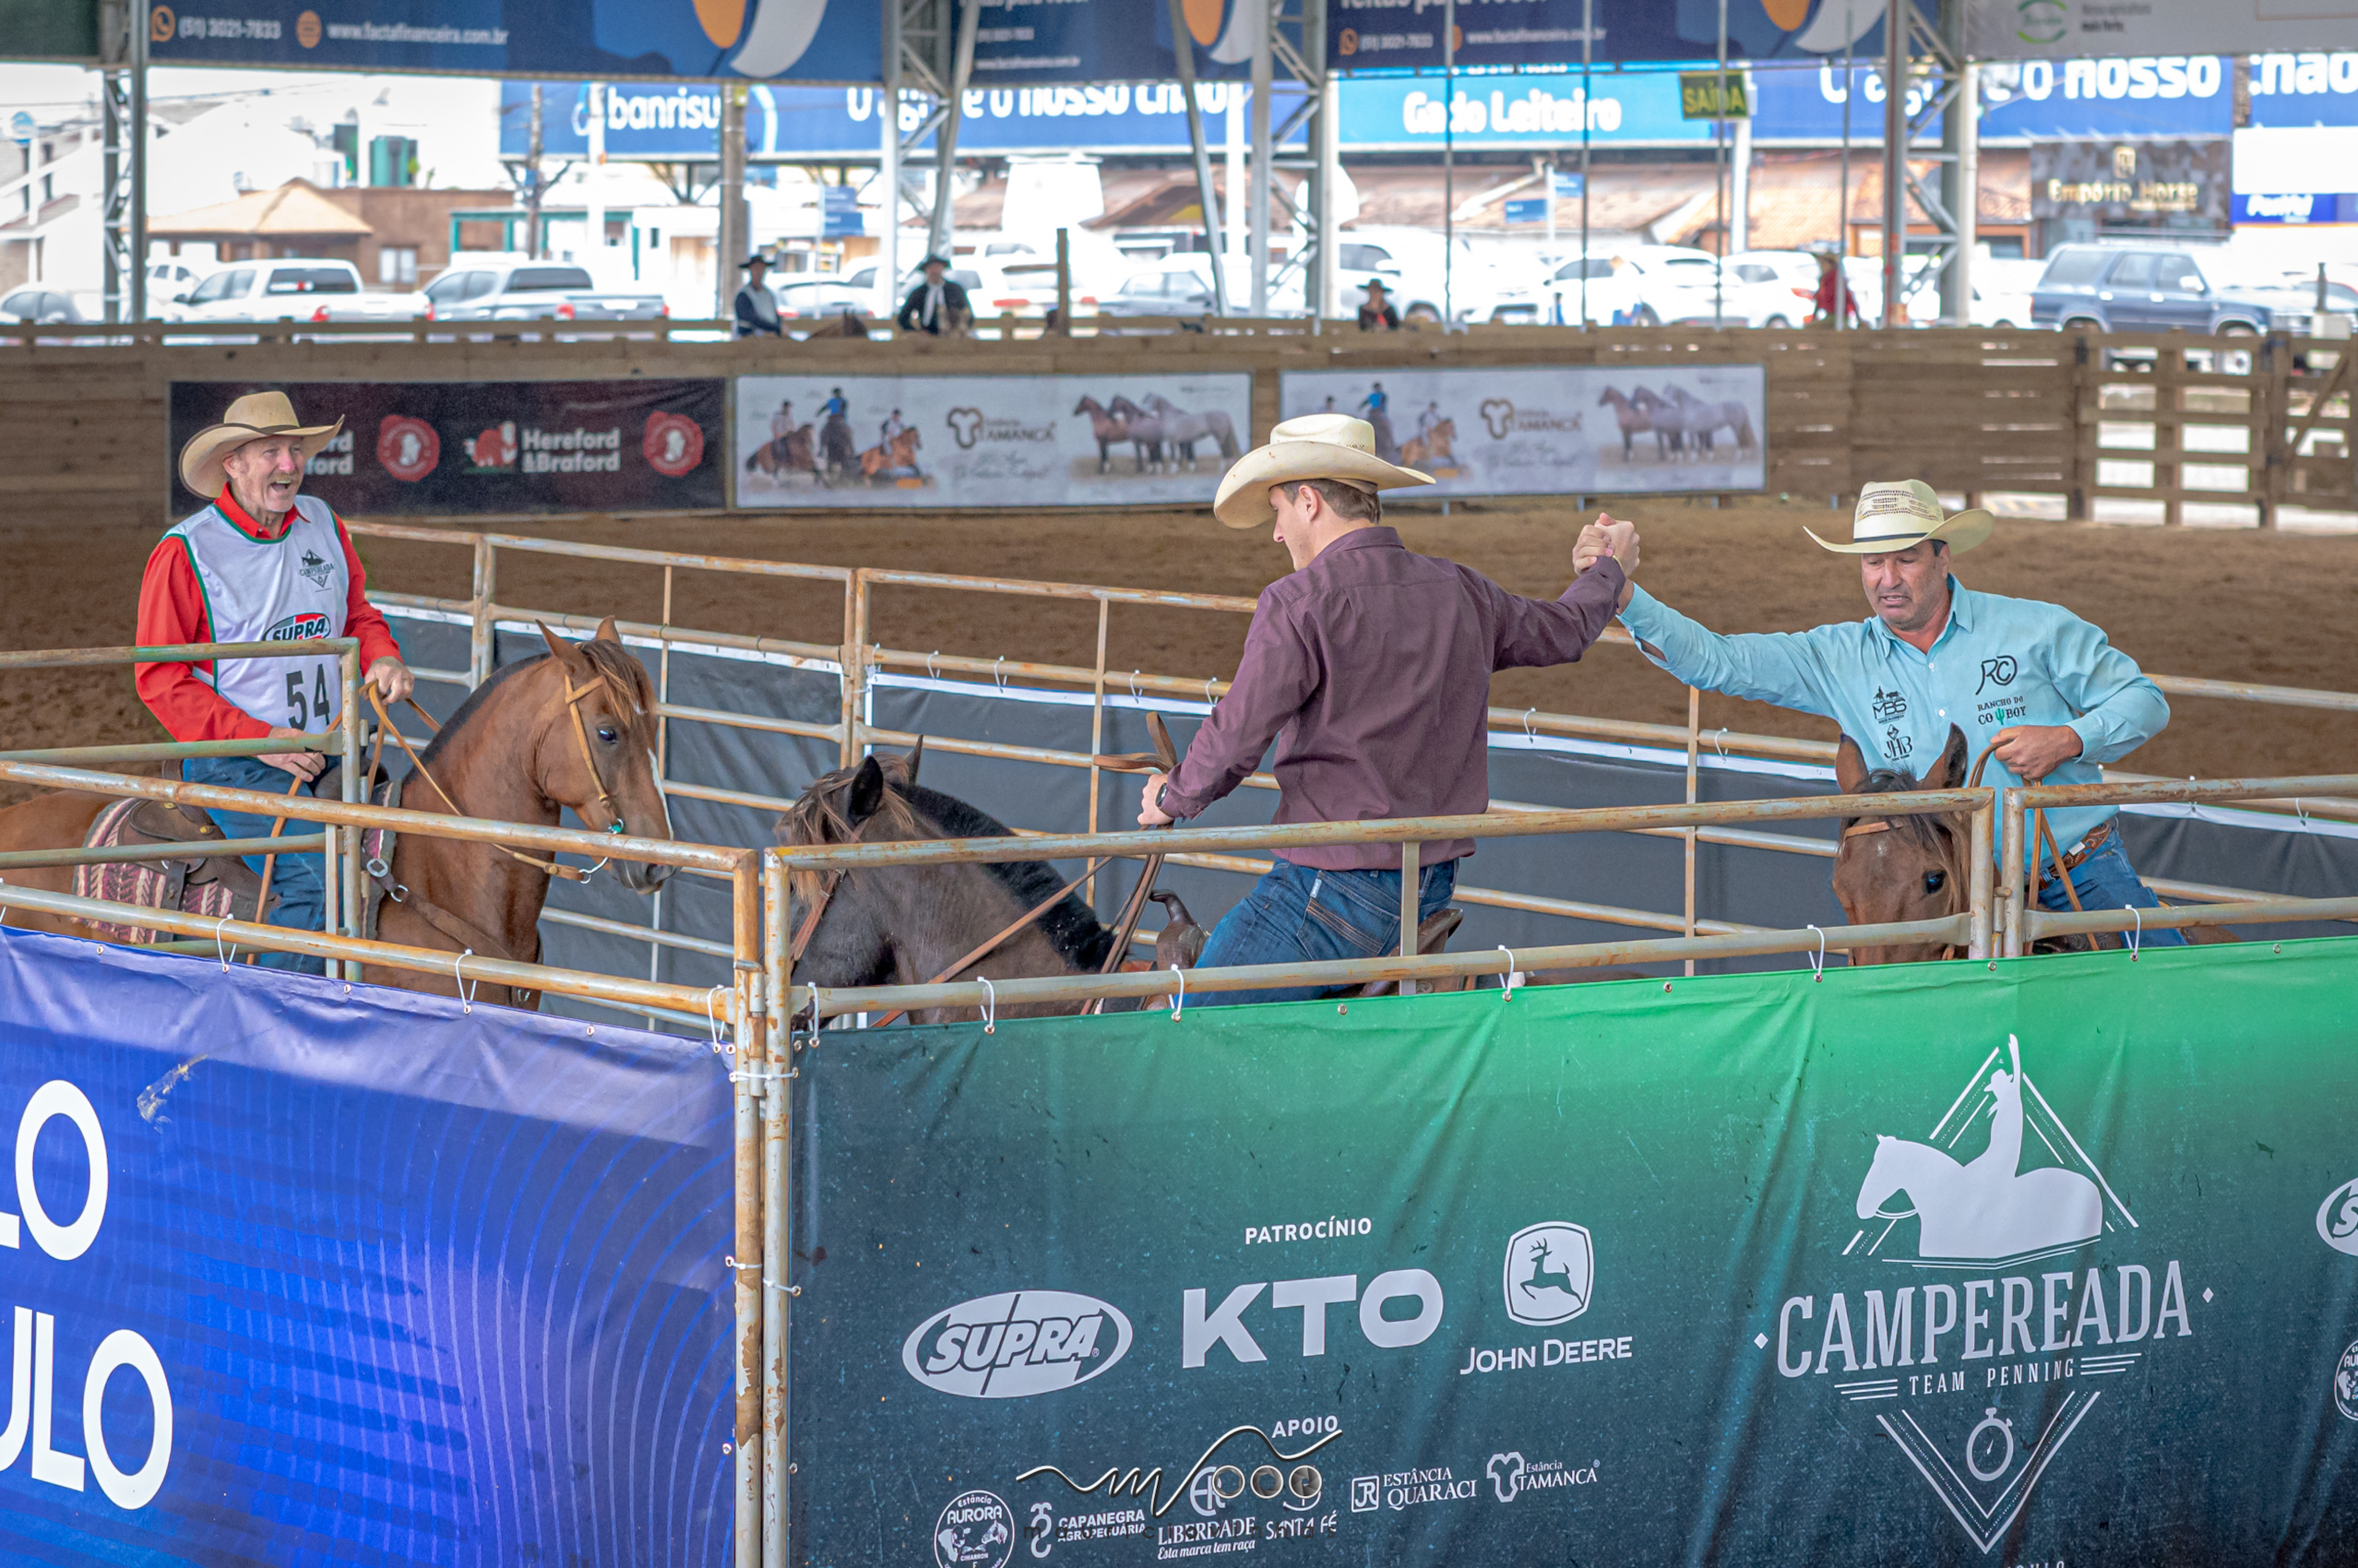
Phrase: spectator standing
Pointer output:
(1378, 314)
(757, 306)
(938, 304)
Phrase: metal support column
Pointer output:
(1208, 197)
(1895, 153)
(1925, 61)
(732, 241)
(1326, 168)
(122, 97)
(889, 154)
(939, 233)
(1264, 185)
(1960, 185)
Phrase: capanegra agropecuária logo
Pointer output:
(1989, 1292)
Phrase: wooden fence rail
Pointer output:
(2166, 418)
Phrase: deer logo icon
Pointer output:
(1550, 1273)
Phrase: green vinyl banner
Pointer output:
(2045, 1262)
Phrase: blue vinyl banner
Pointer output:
(825, 40)
(1391, 35)
(309, 1273)
(2041, 1262)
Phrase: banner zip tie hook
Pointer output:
(930, 670)
(1210, 700)
(712, 1021)
(990, 1005)
(1720, 743)
(1508, 978)
(1181, 1006)
(1817, 960)
(996, 678)
(1134, 687)
(1530, 733)
(2136, 937)
(218, 950)
(465, 997)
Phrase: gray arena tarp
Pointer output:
(1752, 887)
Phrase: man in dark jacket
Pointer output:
(938, 304)
(1370, 668)
(757, 306)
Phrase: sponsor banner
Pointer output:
(1103, 41)
(303, 1270)
(2021, 29)
(827, 41)
(2049, 1263)
(987, 440)
(2131, 181)
(1567, 430)
(1390, 35)
(440, 447)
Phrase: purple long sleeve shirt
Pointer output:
(1373, 665)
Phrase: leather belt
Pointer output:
(2078, 853)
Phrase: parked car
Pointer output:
(42, 306)
(167, 278)
(304, 289)
(1178, 284)
(533, 290)
(826, 296)
(2106, 288)
(1419, 276)
(2002, 291)
(1556, 297)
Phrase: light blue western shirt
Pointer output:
(1998, 662)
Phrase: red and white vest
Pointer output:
(291, 588)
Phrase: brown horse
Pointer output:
(1145, 432)
(1918, 868)
(905, 925)
(1110, 429)
(789, 453)
(901, 454)
(1634, 419)
(1439, 441)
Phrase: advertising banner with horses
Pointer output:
(2048, 1261)
(1578, 428)
(987, 440)
(492, 448)
(307, 1271)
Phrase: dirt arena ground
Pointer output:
(2231, 605)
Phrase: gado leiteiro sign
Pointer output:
(987, 440)
(1568, 430)
(1920, 1264)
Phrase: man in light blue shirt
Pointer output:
(2037, 687)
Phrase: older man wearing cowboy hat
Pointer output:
(2040, 689)
(938, 303)
(260, 563)
(1370, 667)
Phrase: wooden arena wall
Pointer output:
(2258, 422)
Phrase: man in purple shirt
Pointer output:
(1371, 667)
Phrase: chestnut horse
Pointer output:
(1109, 429)
(514, 753)
(62, 819)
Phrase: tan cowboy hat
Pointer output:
(1893, 516)
(1334, 447)
(255, 416)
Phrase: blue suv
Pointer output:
(2158, 287)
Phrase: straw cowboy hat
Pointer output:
(1334, 447)
(1892, 516)
(257, 416)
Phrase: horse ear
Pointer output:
(1850, 766)
(916, 754)
(608, 631)
(1948, 771)
(866, 793)
(567, 654)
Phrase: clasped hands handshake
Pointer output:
(1602, 537)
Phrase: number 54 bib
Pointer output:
(291, 588)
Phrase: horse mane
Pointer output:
(610, 659)
(1927, 831)
(909, 810)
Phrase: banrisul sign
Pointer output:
(2049, 1263)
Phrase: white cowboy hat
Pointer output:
(1334, 447)
(257, 416)
(1893, 516)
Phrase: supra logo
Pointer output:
(1498, 413)
(315, 570)
(2337, 1218)
(977, 1530)
(1020, 1343)
(1550, 1270)
(673, 444)
(966, 426)
(306, 627)
(407, 448)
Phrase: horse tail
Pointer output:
(1225, 430)
(1744, 430)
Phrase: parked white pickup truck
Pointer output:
(533, 290)
(308, 288)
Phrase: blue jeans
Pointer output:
(2104, 881)
(1298, 914)
(300, 881)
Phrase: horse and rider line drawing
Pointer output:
(1987, 1208)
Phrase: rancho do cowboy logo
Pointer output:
(1985, 1302)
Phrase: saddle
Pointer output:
(207, 885)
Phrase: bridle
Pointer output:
(1883, 825)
